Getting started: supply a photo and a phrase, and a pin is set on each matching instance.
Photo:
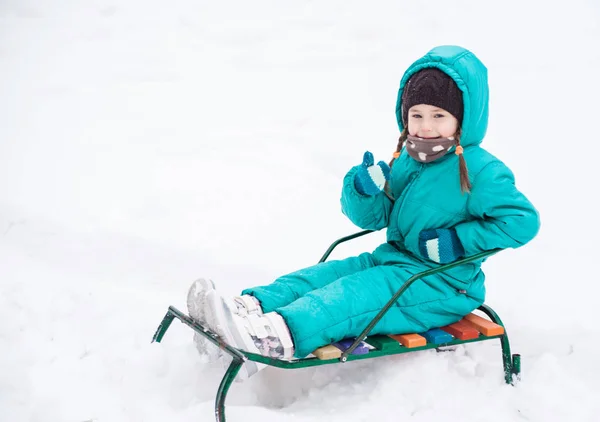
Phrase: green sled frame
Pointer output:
(511, 363)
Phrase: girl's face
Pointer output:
(429, 122)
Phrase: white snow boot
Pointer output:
(196, 304)
(264, 334)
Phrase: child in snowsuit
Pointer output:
(442, 197)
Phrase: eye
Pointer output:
(439, 115)
(416, 116)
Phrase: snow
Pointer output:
(145, 144)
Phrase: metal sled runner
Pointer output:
(472, 328)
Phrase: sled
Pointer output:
(472, 328)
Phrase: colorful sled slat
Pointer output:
(437, 336)
(466, 329)
(327, 352)
(461, 330)
(484, 326)
(383, 343)
(343, 345)
(410, 340)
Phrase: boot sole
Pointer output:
(196, 304)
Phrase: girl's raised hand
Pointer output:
(370, 178)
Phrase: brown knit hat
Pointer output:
(434, 87)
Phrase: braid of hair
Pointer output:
(465, 183)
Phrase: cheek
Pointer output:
(413, 127)
(448, 129)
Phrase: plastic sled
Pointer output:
(472, 328)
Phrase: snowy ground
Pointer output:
(144, 144)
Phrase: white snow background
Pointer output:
(144, 144)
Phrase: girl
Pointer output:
(442, 197)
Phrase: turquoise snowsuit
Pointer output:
(337, 299)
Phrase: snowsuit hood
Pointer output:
(470, 76)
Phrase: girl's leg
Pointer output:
(343, 308)
(288, 288)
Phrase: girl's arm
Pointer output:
(367, 212)
(504, 217)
